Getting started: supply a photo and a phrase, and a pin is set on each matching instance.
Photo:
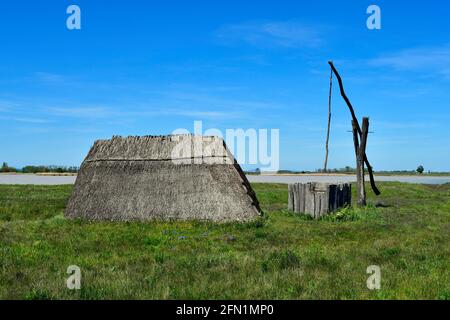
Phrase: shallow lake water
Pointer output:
(55, 180)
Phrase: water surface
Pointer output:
(55, 180)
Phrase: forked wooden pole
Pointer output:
(357, 127)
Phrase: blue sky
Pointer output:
(139, 68)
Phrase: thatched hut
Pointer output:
(177, 177)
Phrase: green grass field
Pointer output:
(284, 256)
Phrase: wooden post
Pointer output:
(360, 152)
(325, 166)
(359, 168)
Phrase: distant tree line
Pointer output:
(346, 170)
(43, 169)
(6, 168)
(39, 169)
(341, 170)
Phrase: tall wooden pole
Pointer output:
(329, 121)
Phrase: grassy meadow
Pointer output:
(406, 232)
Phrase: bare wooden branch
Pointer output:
(358, 128)
(344, 96)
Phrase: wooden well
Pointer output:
(318, 199)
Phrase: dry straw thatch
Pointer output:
(177, 177)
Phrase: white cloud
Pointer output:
(191, 102)
(26, 120)
(204, 114)
(215, 101)
(434, 60)
(7, 106)
(106, 113)
(404, 125)
(31, 120)
(82, 112)
(270, 34)
(49, 77)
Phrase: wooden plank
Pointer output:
(323, 209)
(297, 196)
(325, 202)
(345, 195)
(309, 199)
(332, 194)
(348, 194)
(317, 199)
(290, 198)
(301, 198)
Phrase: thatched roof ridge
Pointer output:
(162, 148)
